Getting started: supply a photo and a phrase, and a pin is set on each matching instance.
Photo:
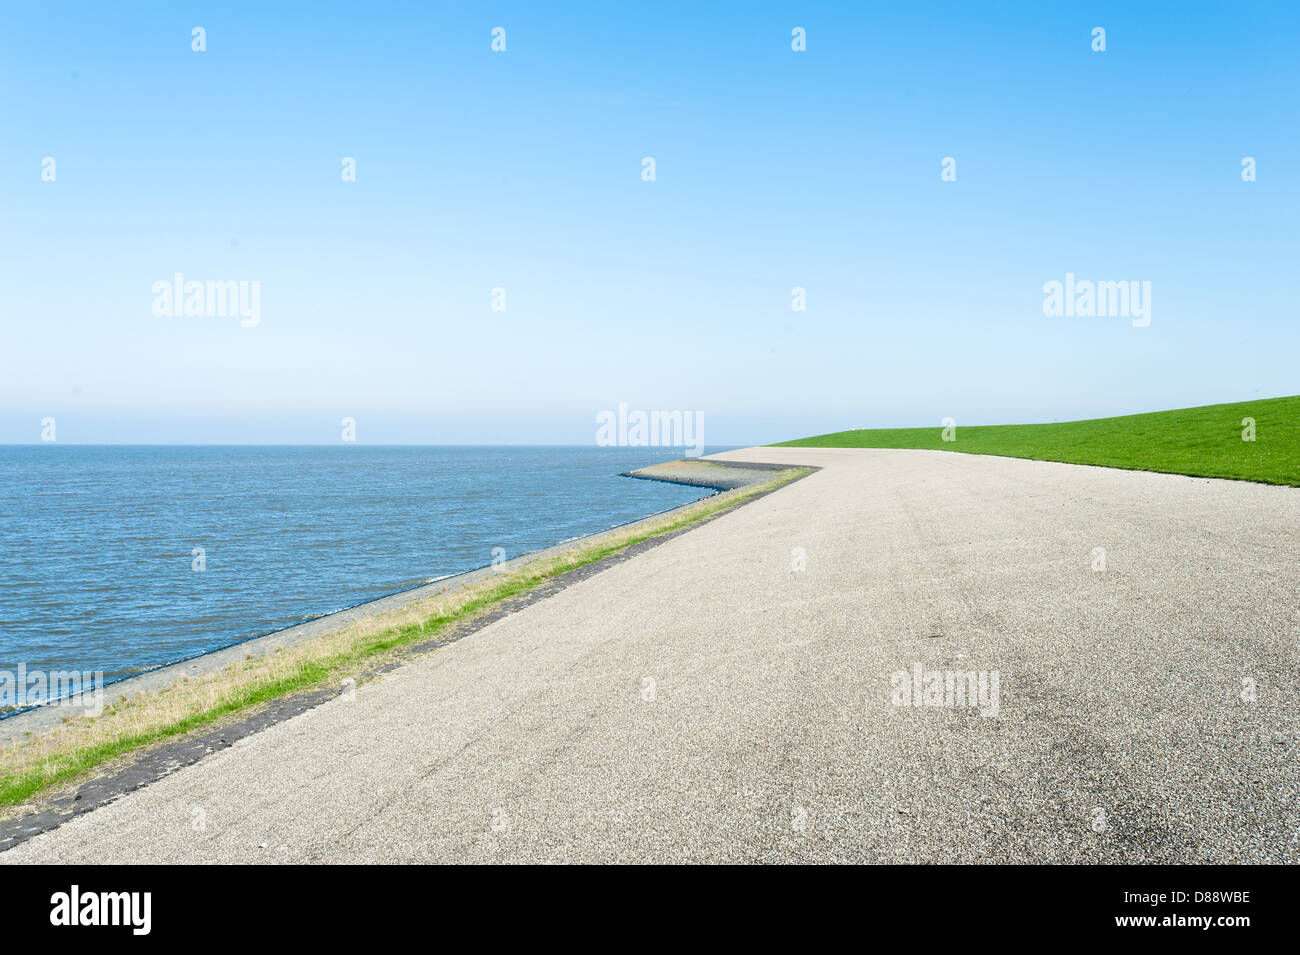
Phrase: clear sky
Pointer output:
(522, 170)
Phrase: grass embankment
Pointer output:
(1203, 442)
(73, 750)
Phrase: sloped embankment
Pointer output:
(722, 475)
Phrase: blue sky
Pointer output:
(775, 169)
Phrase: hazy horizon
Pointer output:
(360, 438)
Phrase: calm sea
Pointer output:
(98, 544)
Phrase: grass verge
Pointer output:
(1215, 441)
(68, 753)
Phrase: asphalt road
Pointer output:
(707, 701)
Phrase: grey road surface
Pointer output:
(737, 694)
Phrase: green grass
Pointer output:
(19, 786)
(1203, 442)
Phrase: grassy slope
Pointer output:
(1205, 442)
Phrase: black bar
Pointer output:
(945, 904)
